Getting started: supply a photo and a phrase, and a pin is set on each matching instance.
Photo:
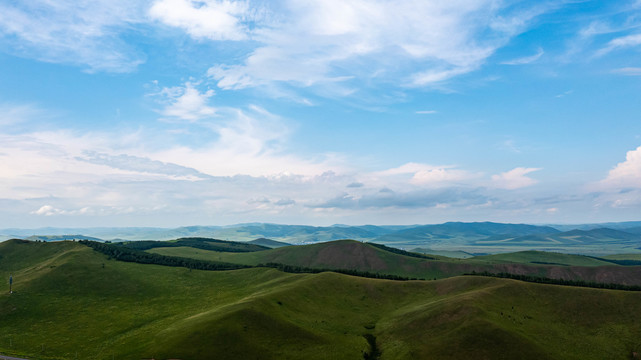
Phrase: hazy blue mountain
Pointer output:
(461, 232)
(269, 243)
(634, 230)
(625, 226)
(61, 237)
(572, 238)
(476, 237)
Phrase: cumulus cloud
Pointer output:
(186, 102)
(211, 19)
(514, 179)
(84, 32)
(48, 210)
(424, 174)
(626, 174)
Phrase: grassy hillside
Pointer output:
(61, 237)
(624, 257)
(198, 243)
(268, 243)
(543, 257)
(447, 253)
(68, 306)
(348, 254)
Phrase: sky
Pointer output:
(177, 112)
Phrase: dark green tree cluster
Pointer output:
(198, 243)
(402, 252)
(544, 280)
(366, 274)
(547, 263)
(619, 262)
(130, 255)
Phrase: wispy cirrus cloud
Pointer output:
(628, 71)
(327, 42)
(526, 59)
(458, 197)
(12, 114)
(85, 33)
(623, 42)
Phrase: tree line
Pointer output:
(195, 242)
(121, 253)
(131, 255)
(546, 280)
(366, 274)
(402, 252)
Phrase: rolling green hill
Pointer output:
(541, 257)
(447, 253)
(61, 237)
(365, 257)
(268, 243)
(71, 302)
(198, 243)
(624, 257)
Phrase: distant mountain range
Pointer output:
(475, 237)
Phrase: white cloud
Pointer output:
(211, 19)
(628, 71)
(84, 32)
(187, 102)
(423, 174)
(69, 173)
(439, 176)
(514, 179)
(526, 59)
(564, 94)
(326, 41)
(626, 174)
(11, 114)
(47, 210)
(426, 112)
(620, 43)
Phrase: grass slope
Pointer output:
(195, 242)
(543, 257)
(68, 306)
(623, 257)
(269, 243)
(348, 254)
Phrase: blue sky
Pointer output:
(179, 112)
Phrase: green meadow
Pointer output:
(71, 302)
